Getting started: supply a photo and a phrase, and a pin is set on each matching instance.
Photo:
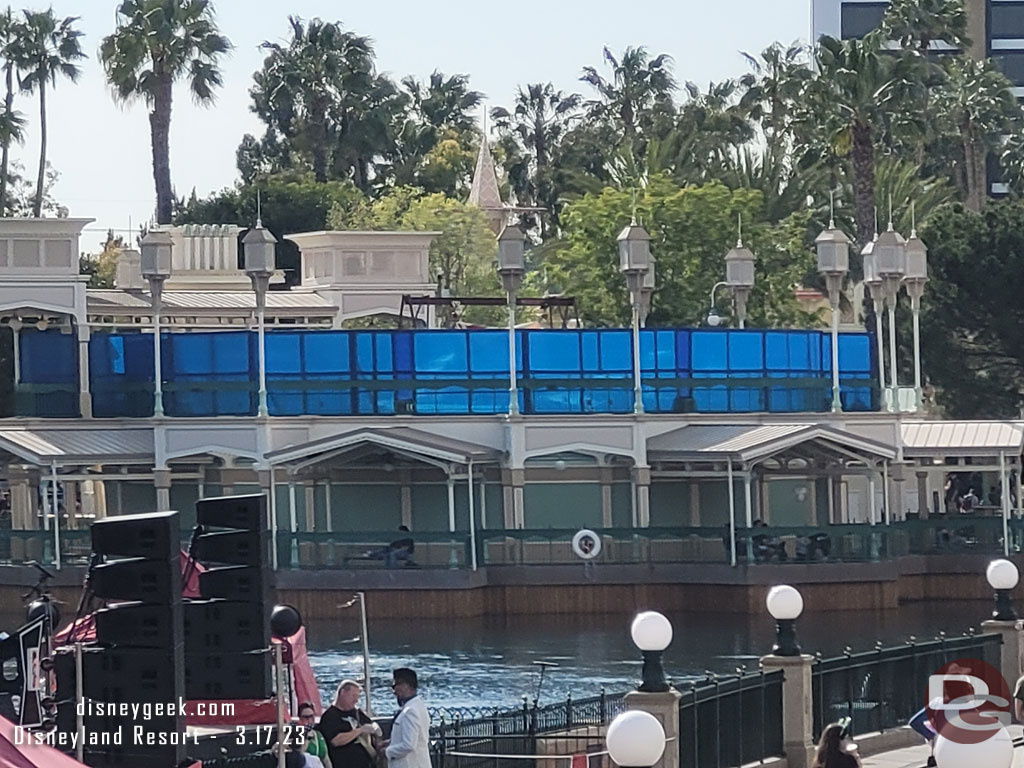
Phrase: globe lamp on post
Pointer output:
(994, 752)
(785, 605)
(635, 739)
(1003, 576)
(652, 634)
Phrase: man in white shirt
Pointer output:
(409, 746)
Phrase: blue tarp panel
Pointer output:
(462, 372)
(49, 374)
(121, 374)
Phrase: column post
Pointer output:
(923, 502)
(162, 481)
(665, 707)
(1011, 650)
(642, 486)
(84, 396)
(606, 496)
(797, 707)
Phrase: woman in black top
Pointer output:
(832, 752)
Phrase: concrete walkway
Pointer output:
(917, 757)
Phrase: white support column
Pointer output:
(831, 500)
(749, 508)
(732, 518)
(292, 516)
(55, 507)
(273, 517)
(872, 507)
(885, 492)
(1004, 478)
(483, 501)
(16, 331)
(84, 397)
(162, 481)
(327, 497)
(472, 517)
(453, 556)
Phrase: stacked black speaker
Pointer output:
(227, 631)
(138, 653)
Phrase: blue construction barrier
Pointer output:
(313, 372)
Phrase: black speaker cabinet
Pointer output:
(150, 581)
(154, 536)
(245, 512)
(224, 626)
(139, 625)
(228, 675)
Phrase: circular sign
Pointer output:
(968, 700)
(586, 544)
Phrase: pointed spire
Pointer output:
(259, 210)
(739, 230)
(831, 209)
(633, 196)
(484, 191)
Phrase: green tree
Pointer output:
(102, 267)
(691, 228)
(51, 47)
(12, 124)
(532, 135)
(916, 24)
(972, 348)
(636, 99)
(158, 42)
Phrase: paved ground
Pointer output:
(917, 757)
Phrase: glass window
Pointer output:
(1006, 21)
(1012, 64)
(861, 18)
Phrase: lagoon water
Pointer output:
(490, 662)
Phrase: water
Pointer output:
(489, 662)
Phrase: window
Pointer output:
(1012, 64)
(860, 18)
(1006, 21)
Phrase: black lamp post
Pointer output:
(652, 633)
(785, 604)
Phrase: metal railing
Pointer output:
(731, 721)
(569, 727)
(882, 688)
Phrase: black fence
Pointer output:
(881, 689)
(731, 721)
(570, 727)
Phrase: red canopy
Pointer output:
(29, 754)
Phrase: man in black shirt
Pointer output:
(347, 729)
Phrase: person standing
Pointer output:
(409, 746)
(348, 730)
(315, 744)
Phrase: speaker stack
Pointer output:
(138, 656)
(227, 632)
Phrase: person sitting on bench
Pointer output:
(398, 551)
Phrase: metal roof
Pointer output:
(210, 300)
(78, 446)
(963, 438)
(415, 441)
(747, 443)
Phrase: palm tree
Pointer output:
(858, 93)
(307, 88)
(771, 91)
(156, 43)
(444, 102)
(916, 24)
(12, 124)
(638, 96)
(533, 133)
(51, 48)
(977, 106)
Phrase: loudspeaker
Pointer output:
(151, 581)
(237, 583)
(156, 756)
(246, 512)
(122, 675)
(140, 625)
(148, 536)
(234, 547)
(220, 626)
(228, 675)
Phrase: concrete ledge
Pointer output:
(876, 743)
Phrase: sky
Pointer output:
(102, 150)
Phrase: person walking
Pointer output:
(409, 746)
(348, 730)
(835, 749)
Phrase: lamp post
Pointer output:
(785, 605)
(833, 263)
(635, 739)
(1002, 576)
(258, 252)
(891, 265)
(739, 276)
(652, 634)
(715, 319)
(873, 286)
(647, 293)
(512, 268)
(157, 247)
(635, 263)
(915, 278)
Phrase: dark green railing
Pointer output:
(882, 688)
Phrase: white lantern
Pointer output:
(651, 631)
(634, 249)
(635, 739)
(1002, 574)
(784, 603)
(156, 248)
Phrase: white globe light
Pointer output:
(994, 752)
(784, 603)
(714, 319)
(1002, 574)
(637, 740)
(651, 631)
